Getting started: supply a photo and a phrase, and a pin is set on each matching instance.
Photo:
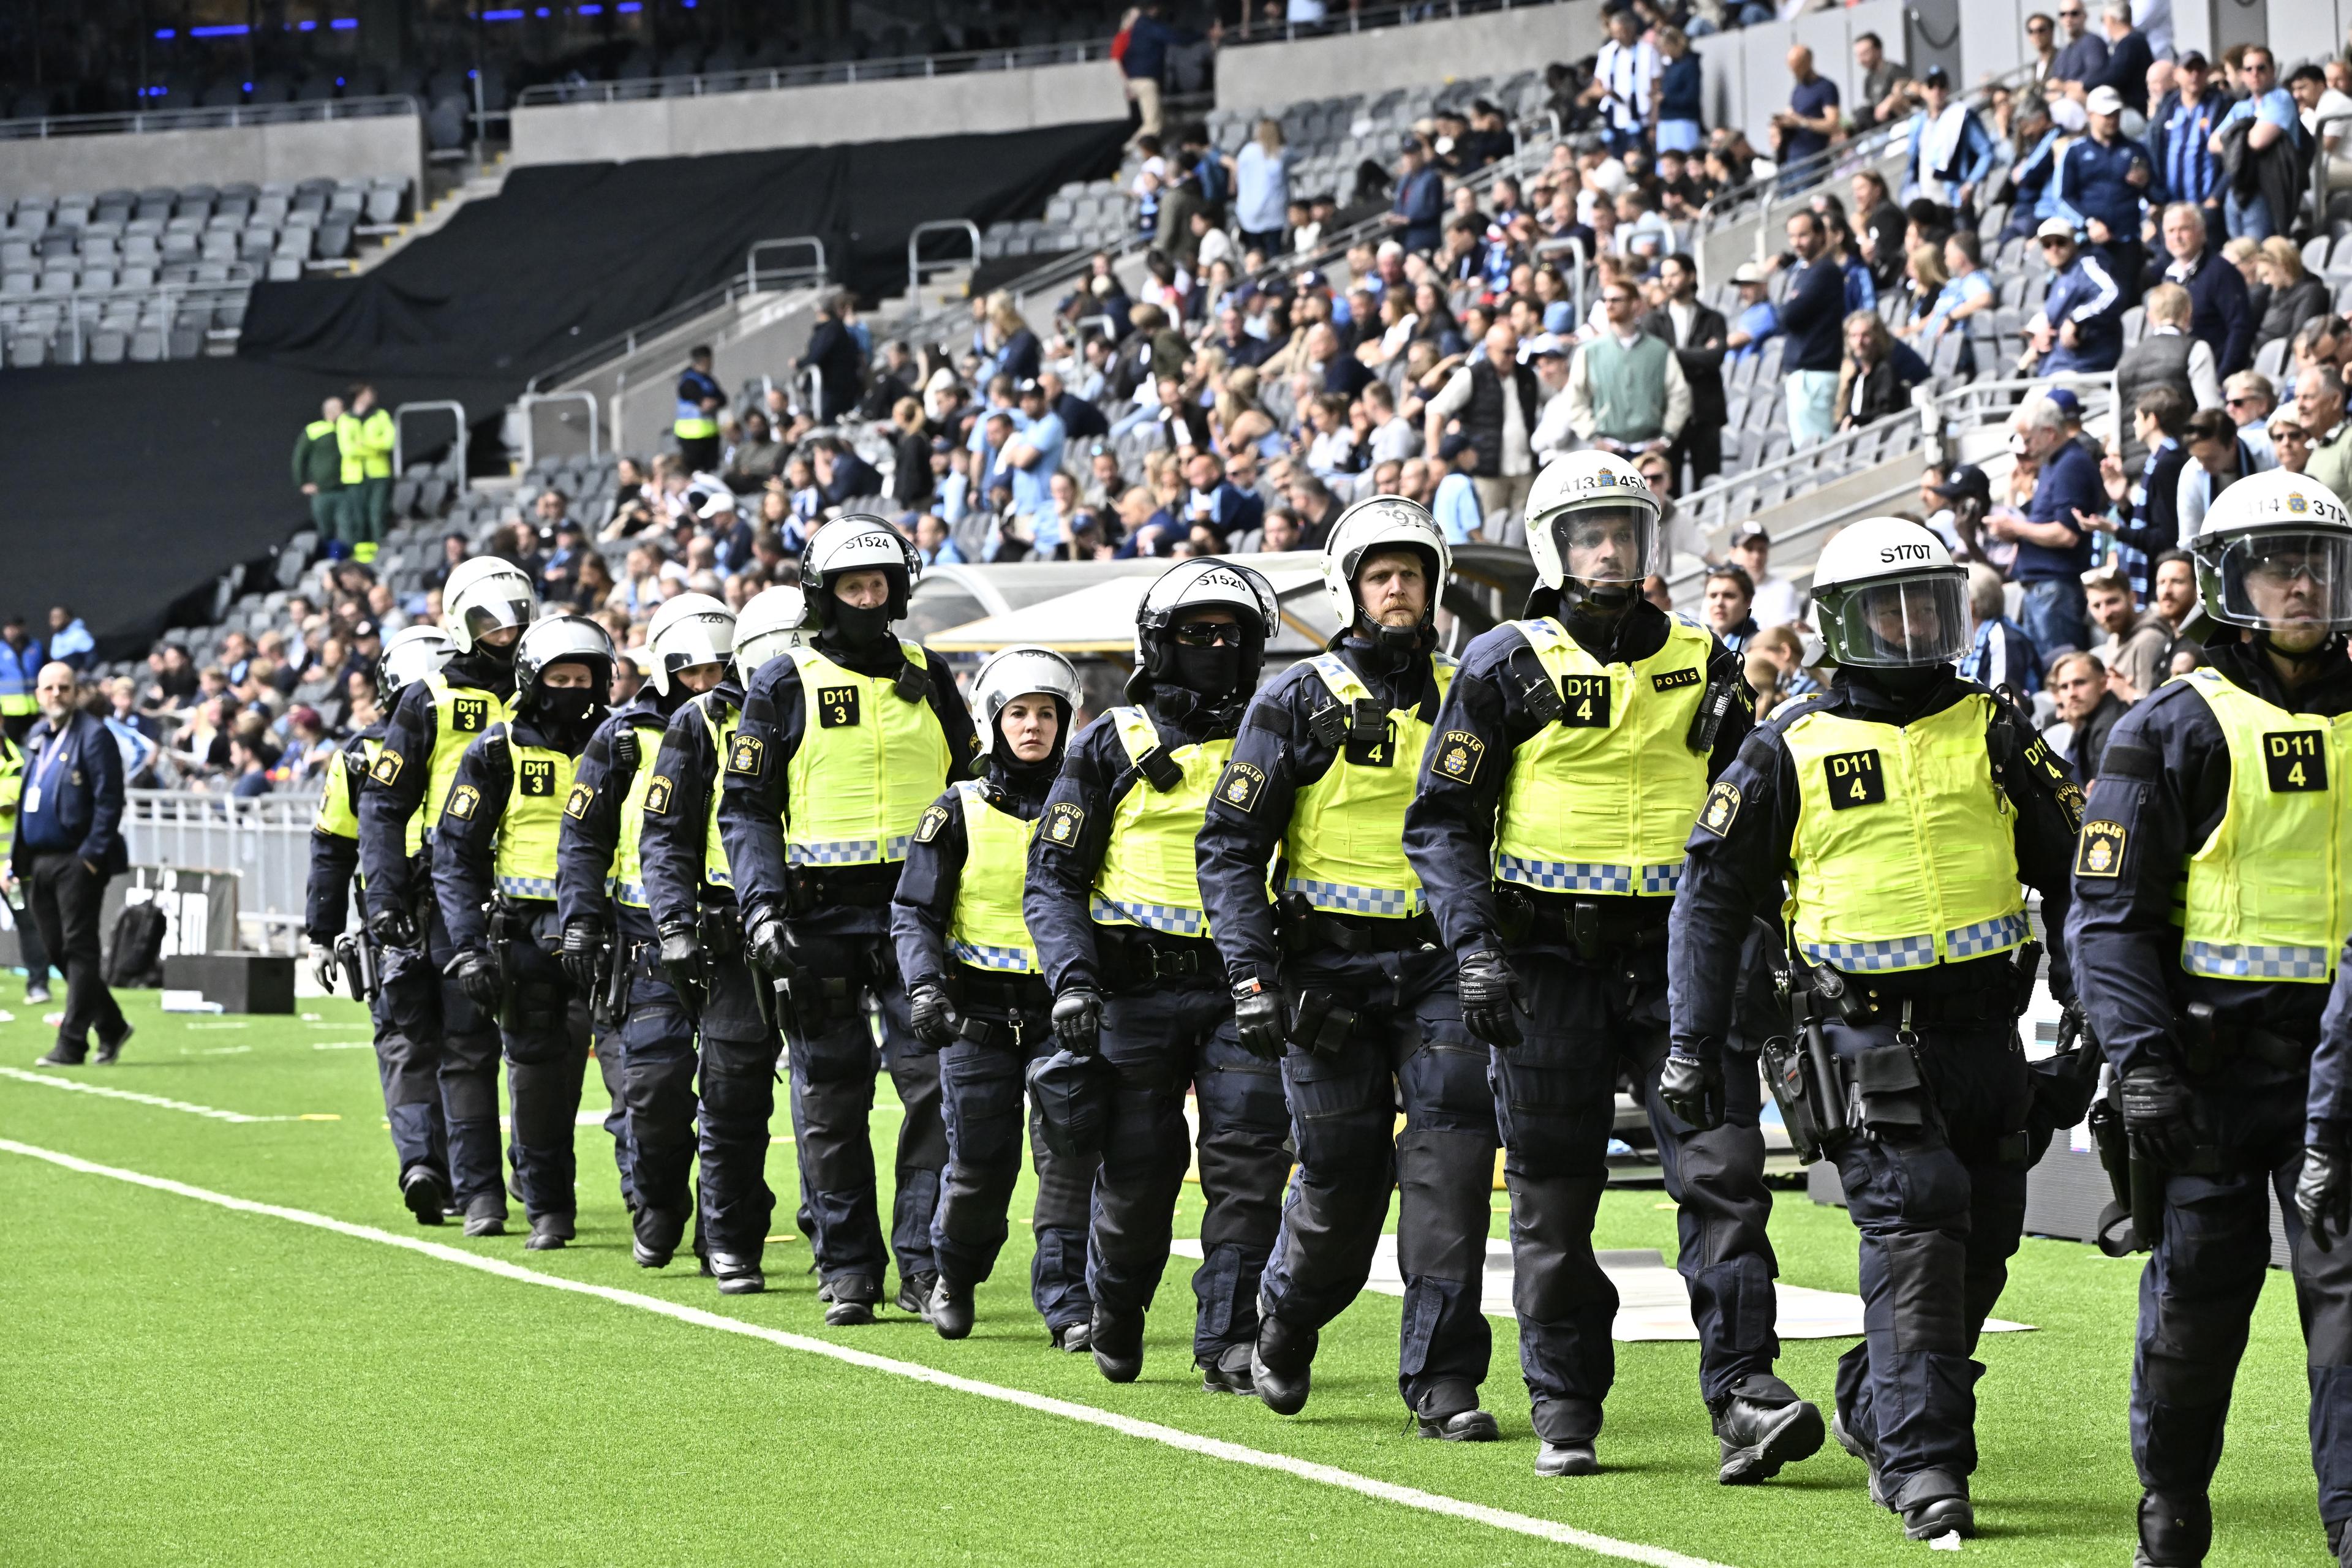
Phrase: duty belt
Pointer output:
(1015, 994)
(1132, 958)
(1581, 925)
(2207, 1045)
(866, 887)
(1306, 928)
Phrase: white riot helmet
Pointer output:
(2274, 551)
(1017, 671)
(1593, 520)
(412, 654)
(771, 621)
(563, 640)
(691, 629)
(485, 594)
(1208, 584)
(1889, 595)
(858, 543)
(1382, 523)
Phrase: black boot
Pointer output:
(1074, 1339)
(1852, 1444)
(2174, 1532)
(1935, 1503)
(425, 1193)
(949, 1309)
(854, 1296)
(1448, 1412)
(738, 1273)
(1571, 1459)
(64, 1056)
(1756, 1437)
(486, 1215)
(1116, 1342)
(1281, 1363)
(915, 1292)
(657, 1234)
(110, 1051)
(1229, 1372)
(548, 1232)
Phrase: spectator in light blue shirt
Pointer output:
(1035, 454)
(1261, 173)
(1455, 502)
(1756, 321)
(2272, 109)
(70, 643)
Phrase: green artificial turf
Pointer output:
(190, 1384)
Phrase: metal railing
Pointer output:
(785, 277)
(915, 264)
(895, 68)
(83, 311)
(1372, 18)
(752, 280)
(228, 117)
(399, 416)
(264, 841)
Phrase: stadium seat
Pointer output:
(108, 347)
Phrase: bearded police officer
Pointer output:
(711, 1001)
(1114, 904)
(485, 606)
(1354, 989)
(2211, 906)
(844, 744)
(1902, 807)
(977, 998)
(494, 871)
(412, 1099)
(1569, 760)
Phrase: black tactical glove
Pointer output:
(764, 939)
(583, 945)
(476, 977)
(1258, 1018)
(1078, 1020)
(2322, 1193)
(392, 928)
(1691, 1083)
(322, 964)
(2156, 1106)
(932, 1014)
(682, 962)
(1490, 999)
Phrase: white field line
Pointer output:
(48, 1081)
(1149, 1431)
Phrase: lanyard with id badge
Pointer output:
(52, 752)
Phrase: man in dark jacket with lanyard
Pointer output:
(1892, 818)
(69, 846)
(844, 744)
(485, 604)
(412, 1098)
(2210, 907)
(976, 996)
(711, 1009)
(1570, 756)
(494, 874)
(1356, 984)
(1113, 905)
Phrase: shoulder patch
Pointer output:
(1457, 757)
(462, 802)
(387, 766)
(2101, 853)
(1241, 787)
(745, 755)
(658, 795)
(934, 818)
(1065, 820)
(1722, 808)
(2070, 801)
(582, 796)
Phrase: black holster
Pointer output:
(1304, 927)
(355, 956)
(1134, 959)
(1322, 1022)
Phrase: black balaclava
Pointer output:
(492, 668)
(568, 715)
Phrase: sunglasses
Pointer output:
(2234, 402)
(1209, 634)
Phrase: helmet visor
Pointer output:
(500, 607)
(1608, 543)
(1905, 622)
(698, 639)
(752, 652)
(413, 661)
(2273, 580)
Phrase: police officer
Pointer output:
(1569, 760)
(2211, 902)
(696, 423)
(844, 744)
(708, 987)
(1902, 807)
(485, 606)
(412, 1099)
(1114, 904)
(976, 996)
(494, 872)
(1356, 984)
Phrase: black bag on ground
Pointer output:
(134, 958)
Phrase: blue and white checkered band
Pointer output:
(1874, 957)
(1169, 918)
(1347, 899)
(719, 876)
(527, 887)
(980, 955)
(1561, 877)
(847, 852)
(630, 893)
(1666, 879)
(2225, 962)
(1986, 936)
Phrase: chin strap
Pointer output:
(2332, 645)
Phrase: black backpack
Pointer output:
(134, 959)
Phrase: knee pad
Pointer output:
(1924, 1269)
